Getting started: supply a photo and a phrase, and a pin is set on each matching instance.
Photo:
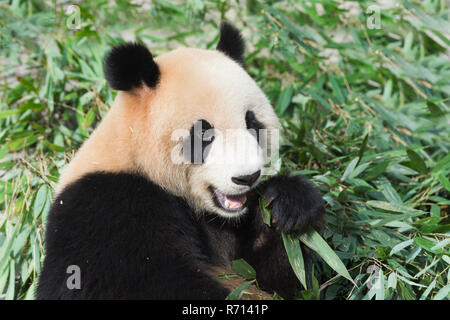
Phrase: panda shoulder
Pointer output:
(99, 199)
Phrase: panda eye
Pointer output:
(203, 130)
(196, 145)
(253, 125)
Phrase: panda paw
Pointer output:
(295, 203)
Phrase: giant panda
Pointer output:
(139, 225)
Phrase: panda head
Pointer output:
(189, 120)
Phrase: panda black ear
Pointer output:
(130, 65)
(231, 42)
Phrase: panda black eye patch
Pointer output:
(253, 125)
(196, 146)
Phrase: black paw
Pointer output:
(295, 203)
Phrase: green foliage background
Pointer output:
(364, 111)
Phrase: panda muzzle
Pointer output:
(230, 202)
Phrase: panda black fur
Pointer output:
(133, 237)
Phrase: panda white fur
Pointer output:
(141, 226)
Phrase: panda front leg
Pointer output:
(295, 204)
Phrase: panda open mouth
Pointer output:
(231, 203)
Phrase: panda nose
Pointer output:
(247, 180)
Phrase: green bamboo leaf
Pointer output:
(443, 293)
(314, 241)
(379, 286)
(6, 247)
(242, 268)
(20, 240)
(363, 147)
(428, 290)
(389, 192)
(170, 7)
(295, 255)
(40, 200)
(392, 280)
(424, 270)
(31, 106)
(401, 246)
(11, 281)
(405, 293)
(284, 100)
(394, 207)
(36, 253)
(427, 245)
(314, 292)
(444, 181)
(237, 293)
(8, 113)
(340, 96)
(4, 279)
(376, 171)
(30, 295)
(348, 171)
(435, 211)
(442, 164)
(266, 214)
(446, 259)
(441, 244)
(22, 143)
(417, 162)
(435, 111)
(89, 119)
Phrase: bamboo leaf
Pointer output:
(394, 207)
(401, 246)
(295, 255)
(349, 170)
(314, 241)
(243, 269)
(284, 100)
(417, 162)
(8, 113)
(443, 293)
(237, 293)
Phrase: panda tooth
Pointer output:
(227, 204)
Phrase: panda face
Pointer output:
(231, 164)
(225, 165)
(207, 113)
